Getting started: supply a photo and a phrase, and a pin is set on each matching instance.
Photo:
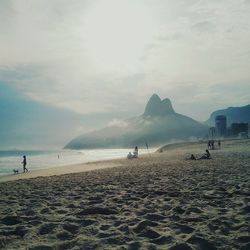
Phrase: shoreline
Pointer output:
(109, 163)
(71, 167)
(61, 170)
(85, 166)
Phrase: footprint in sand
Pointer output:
(181, 228)
(11, 220)
(46, 210)
(149, 233)
(64, 235)
(180, 246)
(71, 227)
(47, 228)
(163, 240)
(201, 243)
(97, 210)
(143, 225)
(155, 217)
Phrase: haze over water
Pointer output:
(10, 160)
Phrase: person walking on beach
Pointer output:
(208, 144)
(24, 162)
(212, 145)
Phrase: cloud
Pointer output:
(186, 49)
(117, 123)
(203, 26)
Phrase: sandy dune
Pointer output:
(159, 201)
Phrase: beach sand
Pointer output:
(159, 201)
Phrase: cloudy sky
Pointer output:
(110, 56)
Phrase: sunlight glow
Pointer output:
(117, 34)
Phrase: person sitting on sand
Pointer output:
(24, 162)
(206, 156)
(130, 156)
(192, 157)
(136, 152)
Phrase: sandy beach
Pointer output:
(159, 201)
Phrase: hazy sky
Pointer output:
(93, 56)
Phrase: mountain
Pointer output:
(233, 114)
(157, 107)
(158, 124)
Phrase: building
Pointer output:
(239, 128)
(221, 125)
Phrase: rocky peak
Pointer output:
(158, 107)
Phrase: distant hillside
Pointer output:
(159, 124)
(233, 114)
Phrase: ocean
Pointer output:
(39, 159)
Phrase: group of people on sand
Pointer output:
(211, 144)
(134, 155)
(205, 156)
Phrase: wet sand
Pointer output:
(159, 201)
(75, 168)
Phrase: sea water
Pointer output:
(38, 159)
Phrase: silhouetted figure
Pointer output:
(136, 152)
(212, 144)
(24, 162)
(209, 144)
(219, 144)
(192, 157)
(134, 155)
(206, 156)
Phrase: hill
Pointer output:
(157, 125)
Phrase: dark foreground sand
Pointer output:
(156, 202)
